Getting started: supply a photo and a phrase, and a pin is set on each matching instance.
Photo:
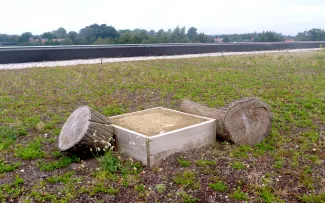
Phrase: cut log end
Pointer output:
(86, 130)
(75, 128)
(248, 121)
(243, 122)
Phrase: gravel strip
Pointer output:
(142, 58)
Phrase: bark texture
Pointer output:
(86, 132)
(244, 122)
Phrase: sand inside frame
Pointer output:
(155, 121)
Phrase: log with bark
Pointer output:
(244, 122)
(86, 132)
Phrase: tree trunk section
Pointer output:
(244, 122)
(86, 132)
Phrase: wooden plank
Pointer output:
(131, 144)
(191, 137)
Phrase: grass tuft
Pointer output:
(238, 165)
(110, 162)
(33, 150)
(186, 178)
(313, 198)
(4, 168)
(269, 197)
(218, 186)
(239, 195)
(62, 162)
(184, 163)
(65, 178)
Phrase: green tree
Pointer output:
(178, 36)
(107, 40)
(151, 40)
(316, 34)
(245, 37)
(137, 37)
(51, 42)
(107, 31)
(73, 35)
(301, 36)
(60, 33)
(67, 41)
(9, 38)
(48, 35)
(202, 38)
(80, 40)
(192, 33)
(269, 36)
(125, 38)
(144, 35)
(93, 32)
(124, 31)
(152, 32)
(88, 34)
(226, 39)
(161, 36)
(24, 38)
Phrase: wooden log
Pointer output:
(243, 122)
(86, 132)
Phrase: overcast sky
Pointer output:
(209, 16)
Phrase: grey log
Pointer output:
(86, 131)
(244, 122)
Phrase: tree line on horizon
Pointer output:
(102, 34)
(314, 34)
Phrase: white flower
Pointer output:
(91, 149)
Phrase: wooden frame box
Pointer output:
(150, 150)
